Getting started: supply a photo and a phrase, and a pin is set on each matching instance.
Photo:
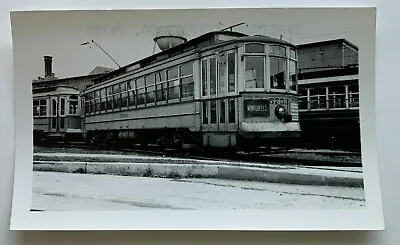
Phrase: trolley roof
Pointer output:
(52, 90)
(206, 40)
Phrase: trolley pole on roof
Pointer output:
(87, 43)
(230, 27)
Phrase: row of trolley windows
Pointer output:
(40, 106)
(344, 96)
(172, 84)
(218, 75)
(255, 67)
(225, 107)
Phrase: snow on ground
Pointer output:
(74, 192)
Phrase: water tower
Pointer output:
(168, 37)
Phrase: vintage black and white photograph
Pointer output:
(200, 109)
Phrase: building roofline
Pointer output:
(337, 40)
(67, 78)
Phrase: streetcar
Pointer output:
(56, 114)
(329, 109)
(223, 89)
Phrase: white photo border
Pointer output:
(368, 218)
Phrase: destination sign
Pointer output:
(256, 108)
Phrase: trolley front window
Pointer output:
(278, 73)
(255, 71)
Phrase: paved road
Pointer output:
(74, 192)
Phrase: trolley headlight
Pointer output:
(280, 112)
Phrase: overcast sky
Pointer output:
(127, 35)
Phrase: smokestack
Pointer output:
(47, 66)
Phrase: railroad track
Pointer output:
(271, 156)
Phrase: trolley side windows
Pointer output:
(254, 48)
(36, 108)
(161, 86)
(278, 67)
(303, 98)
(124, 95)
(205, 112)
(353, 95)
(91, 102)
(131, 93)
(318, 98)
(173, 83)
(213, 76)
(73, 105)
(231, 111)
(204, 74)
(116, 97)
(87, 104)
(254, 71)
(337, 96)
(103, 99)
(109, 99)
(292, 75)
(222, 111)
(97, 101)
(40, 108)
(187, 82)
(231, 72)
(222, 74)
(141, 93)
(278, 73)
(213, 110)
(150, 89)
